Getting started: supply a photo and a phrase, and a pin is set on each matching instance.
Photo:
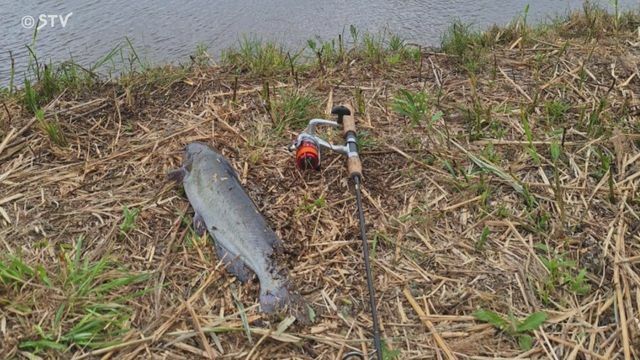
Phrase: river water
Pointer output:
(168, 31)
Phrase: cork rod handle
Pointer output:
(349, 122)
(354, 165)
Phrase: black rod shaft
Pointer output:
(367, 266)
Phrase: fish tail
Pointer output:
(274, 298)
(281, 297)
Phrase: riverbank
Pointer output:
(501, 192)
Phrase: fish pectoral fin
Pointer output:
(177, 175)
(198, 225)
(228, 167)
(234, 264)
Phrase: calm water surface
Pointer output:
(168, 31)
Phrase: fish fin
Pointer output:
(273, 299)
(276, 244)
(228, 167)
(198, 225)
(233, 264)
(178, 174)
(270, 237)
(283, 299)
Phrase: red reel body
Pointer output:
(308, 155)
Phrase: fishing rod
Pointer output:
(308, 147)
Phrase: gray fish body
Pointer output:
(233, 220)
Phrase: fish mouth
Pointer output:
(195, 148)
(191, 151)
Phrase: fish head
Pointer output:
(194, 151)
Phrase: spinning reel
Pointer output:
(308, 144)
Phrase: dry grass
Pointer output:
(464, 209)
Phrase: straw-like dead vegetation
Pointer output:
(501, 193)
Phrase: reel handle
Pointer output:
(347, 119)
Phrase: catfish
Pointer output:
(243, 239)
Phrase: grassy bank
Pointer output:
(501, 192)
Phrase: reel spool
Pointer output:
(307, 154)
(308, 144)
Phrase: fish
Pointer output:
(244, 241)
